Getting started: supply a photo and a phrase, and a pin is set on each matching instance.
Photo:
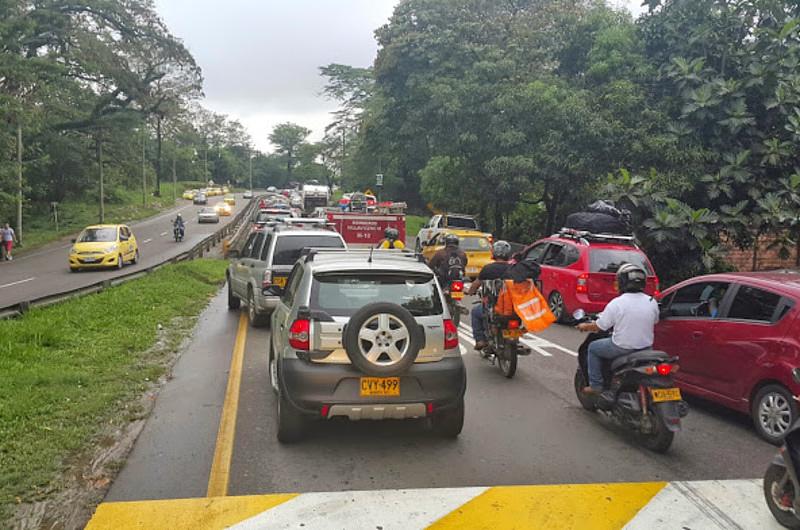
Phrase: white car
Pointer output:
(248, 194)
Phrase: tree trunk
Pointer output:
(289, 164)
(159, 139)
(99, 153)
(19, 180)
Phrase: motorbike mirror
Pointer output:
(579, 314)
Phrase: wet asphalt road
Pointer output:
(46, 271)
(527, 430)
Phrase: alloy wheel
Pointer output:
(774, 414)
(557, 305)
(384, 340)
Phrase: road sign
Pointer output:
(379, 180)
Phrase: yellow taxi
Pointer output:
(230, 199)
(477, 246)
(226, 189)
(223, 208)
(100, 246)
(189, 194)
(214, 191)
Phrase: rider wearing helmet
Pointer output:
(633, 315)
(501, 253)
(391, 239)
(450, 262)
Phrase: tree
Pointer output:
(287, 139)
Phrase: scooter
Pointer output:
(177, 232)
(502, 332)
(639, 392)
(781, 482)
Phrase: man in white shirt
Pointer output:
(633, 315)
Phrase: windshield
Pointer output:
(461, 222)
(98, 235)
(474, 244)
(610, 260)
(344, 294)
(288, 248)
(207, 210)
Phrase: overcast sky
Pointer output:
(260, 58)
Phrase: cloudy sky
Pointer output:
(260, 58)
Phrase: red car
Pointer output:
(579, 269)
(738, 340)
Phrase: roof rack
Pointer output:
(584, 237)
(303, 223)
(310, 252)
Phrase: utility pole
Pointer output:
(19, 179)
(250, 157)
(144, 173)
(99, 140)
(174, 179)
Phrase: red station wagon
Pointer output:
(579, 269)
(738, 339)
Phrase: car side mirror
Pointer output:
(74, 240)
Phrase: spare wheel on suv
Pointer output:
(383, 339)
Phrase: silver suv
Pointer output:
(257, 274)
(364, 335)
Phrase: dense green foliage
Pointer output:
(523, 111)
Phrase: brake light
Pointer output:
(513, 324)
(457, 286)
(664, 369)
(657, 290)
(324, 411)
(266, 280)
(429, 408)
(299, 334)
(582, 287)
(450, 335)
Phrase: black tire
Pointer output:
(352, 345)
(773, 476)
(455, 313)
(255, 318)
(557, 307)
(272, 368)
(234, 302)
(661, 438)
(74, 269)
(291, 425)
(450, 423)
(120, 262)
(135, 257)
(507, 361)
(781, 395)
(580, 383)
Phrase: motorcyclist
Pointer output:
(391, 239)
(501, 253)
(178, 224)
(450, 262)
(633, 315)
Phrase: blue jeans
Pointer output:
(478, 333)
(599, 350)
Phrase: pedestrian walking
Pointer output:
(7, 238)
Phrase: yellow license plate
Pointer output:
(380, 386)
(665, 394)
(457, 295)
(280, 281)
(512, 333)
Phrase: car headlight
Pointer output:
(112, 248)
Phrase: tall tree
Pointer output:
(287, 139)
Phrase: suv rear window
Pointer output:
(344, 294)
(461, 222)
(610, 260)
(288, 248)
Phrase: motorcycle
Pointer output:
(453, 293)
(177, 233)
(782, 481)
(639, 392)
(502, 332)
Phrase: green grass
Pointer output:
(69, 370)
(74, 215)
(414, 224)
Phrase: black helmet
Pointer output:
(631, 278)
(391, 233)
(451, 240)
(501, 250)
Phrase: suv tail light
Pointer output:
(266, 280)
(299, 334)
(457, 286)
(582, 286)
(657, 290)
(450, 335)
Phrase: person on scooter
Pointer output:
(178, 224)
(501, 253)
(633, 315)
(391, 239)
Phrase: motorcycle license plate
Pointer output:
(512, 333)
(457, 295)
(380, 386)
(280, 281)
(665, 394)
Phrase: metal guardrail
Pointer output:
(236, 227)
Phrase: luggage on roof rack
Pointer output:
(597, 223)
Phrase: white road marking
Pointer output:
(466, 338)
(534, 342)
(17, 283)
(163, 234)
(147, 240)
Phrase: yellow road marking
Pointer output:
(221, 466)
(587, 506)
(183, 514)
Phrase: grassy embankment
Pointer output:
(74, 215)
(413, 225)
(69, 371)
